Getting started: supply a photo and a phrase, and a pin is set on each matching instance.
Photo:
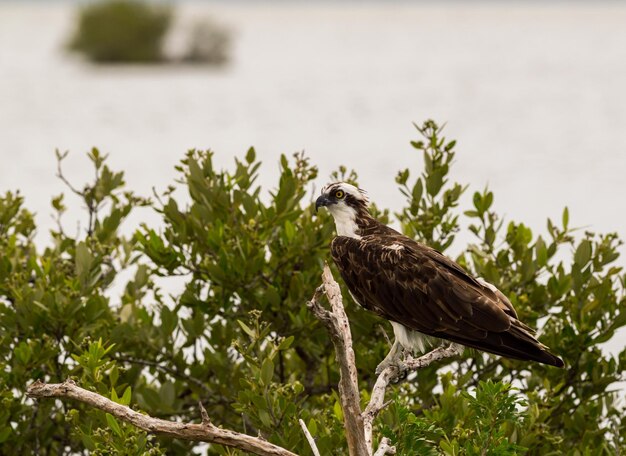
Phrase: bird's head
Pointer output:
(346, 203)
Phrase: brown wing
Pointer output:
(412, 284)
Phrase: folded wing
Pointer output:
(416, 286)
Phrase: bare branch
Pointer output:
(359, 425)
(309, 438)
(60, 175)
(317, 309)
(436, 355)
(205, 432)
(205, 416)
(389, 374)
(385, 448)
(376, 401)
(336, 323)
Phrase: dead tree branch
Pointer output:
(385, 448)
(389, 374)
(309, 437)
(204, 432)
(336, 323)
(359, 424)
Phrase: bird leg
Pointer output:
(402, 359)
(393, 358)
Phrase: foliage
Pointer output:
(483, 422)
(428, 216)
(121, 31)
(238, 337)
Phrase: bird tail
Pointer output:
(513, 349)
(519, 344)
(531, 348)
(516, 343)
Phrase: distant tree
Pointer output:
(240, 339)
(121, 31)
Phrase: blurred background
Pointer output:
(534, 92)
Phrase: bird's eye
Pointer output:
(339, 194)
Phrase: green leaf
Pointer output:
(488, 200)
(290, 230)
(435, 181)
(83, 260)
(169, 321)
(22, 352)
(114, 375)
(114, 397)
(113, 424)
(565, 218)
(478, 202)
(286, 343)
(541, 252)
(265, 418)
(125, 399)
(312, 427)
(251, 155)
(418, 190)
(583, 253)
(167, 393)
(5, 433)
(267, 371)
(338, 411)
(249, 331)
(446, 447)
(88, 441)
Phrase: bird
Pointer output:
(425, 295)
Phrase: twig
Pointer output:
(204, 432)
(385, 448)
(336, 323)
(309, 437)
(205, 416)
(61, 176)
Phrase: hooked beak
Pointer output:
(322, 201)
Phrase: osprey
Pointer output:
(425, 295)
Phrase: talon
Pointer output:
(402, 369)
(392, 358)
(382, 366)
(401, 375)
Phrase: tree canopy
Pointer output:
(239, 338)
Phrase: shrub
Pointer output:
(121, 31)
(208, 42)
(239, 338)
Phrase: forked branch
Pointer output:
(359, 424)
(336, 322)
(390, 374)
